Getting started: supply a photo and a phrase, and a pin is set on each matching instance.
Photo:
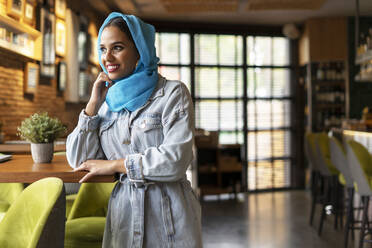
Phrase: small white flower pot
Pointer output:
(42, 153)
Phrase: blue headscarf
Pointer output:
(134, 90)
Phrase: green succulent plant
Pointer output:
(41, 128)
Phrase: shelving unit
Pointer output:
(219, 169)
(326, 94)
(31, 52)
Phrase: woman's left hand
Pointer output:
(101, 167)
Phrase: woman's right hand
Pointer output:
(98, 95)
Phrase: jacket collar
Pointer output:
(159, 89)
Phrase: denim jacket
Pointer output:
(153, 205)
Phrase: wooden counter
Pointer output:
(363, 137)
(22, 169)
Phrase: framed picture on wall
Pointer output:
(14, 8)
(47, 26)
(93, 53)
(31, 78)
(60, 37)
(83, 43)
(50, 4)
(62, 76)
(61, 8)
(29, 12)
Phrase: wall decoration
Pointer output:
(93, 53)
(61, 8)
(60, 37)
(29, 12)
(50, 5)
(31, 77)
(62, 76)
(84, 83)
(83, 43)
(48, 30)
(15, 8)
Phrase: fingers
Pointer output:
(87, 177)
(82, 167)
(103, 77)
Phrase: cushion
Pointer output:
(4, 205)
(89, 229)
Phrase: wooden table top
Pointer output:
(26, 148)
(22, 169)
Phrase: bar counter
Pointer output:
(22, 169)
(363, 137)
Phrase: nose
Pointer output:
(108, 56)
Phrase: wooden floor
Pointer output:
(266, 220)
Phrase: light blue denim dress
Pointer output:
(153, 205)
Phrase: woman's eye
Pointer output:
(118, 48)
(103, 50)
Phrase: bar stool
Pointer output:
(360, 160)
(316, 179)
(338, 158)
(331, 199)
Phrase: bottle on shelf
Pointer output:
(320, 72)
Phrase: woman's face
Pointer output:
(119, 54)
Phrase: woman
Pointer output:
(139, 126)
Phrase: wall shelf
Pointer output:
(363, 58)
(14, 26)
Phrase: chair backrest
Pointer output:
(326, 167)
(36, 217)
(92, 200)
(338, 157)
(309, 150)
(10, 191)
(360, 163)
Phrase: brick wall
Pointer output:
(16, 106)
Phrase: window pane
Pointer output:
(259, 114)
(259, 145)
(281, 113)
(260, 175)
(281, 143)
(259, 82)
(259, 50)
(206, 82)
(206, 113)
(176, 73)
(281, 83)
(231, 82)
(231, 137)
(168, 46)
(280, 51)
(281, 173)
(206, 49)
(231, 115)
(185, 49)
(230, 50)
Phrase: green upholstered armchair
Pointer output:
(36, 218)
(86, 222)
(8, 193)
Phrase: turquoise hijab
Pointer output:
(134, 90)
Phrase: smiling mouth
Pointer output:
(112, 68)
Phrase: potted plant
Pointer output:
(41, 130)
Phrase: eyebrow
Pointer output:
(115, 43)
